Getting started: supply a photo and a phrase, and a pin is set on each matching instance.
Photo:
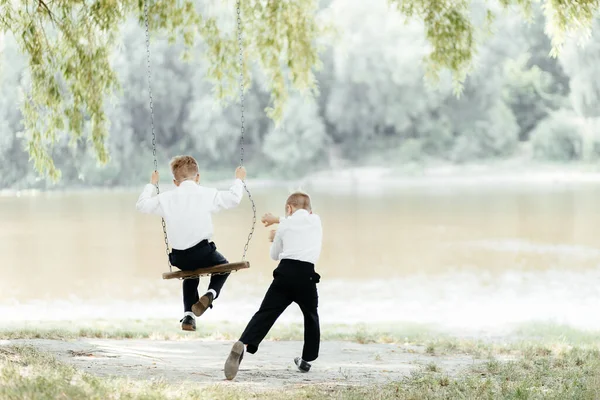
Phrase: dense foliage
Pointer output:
(74, 102)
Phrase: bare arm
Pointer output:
(269, 219)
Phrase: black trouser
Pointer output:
(293, 281)
(202, 255)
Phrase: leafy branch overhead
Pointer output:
(69, 45)
(451, 30)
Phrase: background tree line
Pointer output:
(373, 107)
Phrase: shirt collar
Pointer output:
(300, 212)
(187, 183)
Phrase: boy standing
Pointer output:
(187, 212)
(297, 246)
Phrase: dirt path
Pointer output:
(199, 361)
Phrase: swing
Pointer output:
(222, 268)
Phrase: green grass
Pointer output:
(557, 333)
(553, 374)
(569, 374)
(170, 330)
(539, 361)
(435, 342)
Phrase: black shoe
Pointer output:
(232, 364)
(188, 323)
(302, 365)
(203, 304)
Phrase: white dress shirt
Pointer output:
(298, 237)
(187, 210)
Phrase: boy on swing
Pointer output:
(297, 246)
(187, 212)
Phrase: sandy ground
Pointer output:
(340, 363)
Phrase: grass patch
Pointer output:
(570, 374)
(539, 362)
(557, 333)
(558, 374)
(28, 374)
(170, 330)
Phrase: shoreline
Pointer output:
(391, 332)
(374, 177)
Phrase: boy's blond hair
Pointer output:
(299, 200)
(184, 167)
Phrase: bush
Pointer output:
(565, 137)
(300, 144)
(494, 135)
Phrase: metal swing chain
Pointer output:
(241, 64)
(164, 225)
(243, 129)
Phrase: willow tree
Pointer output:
(68, 44)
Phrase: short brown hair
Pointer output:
(299, 200)
(184, 167)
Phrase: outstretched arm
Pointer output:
(269, 219)
(148, 203)
(225, 199)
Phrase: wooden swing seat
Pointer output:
(217, 269)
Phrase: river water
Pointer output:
(459, 257)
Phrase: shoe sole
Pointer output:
(201, 306)
(232, 364)
(188, 327)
